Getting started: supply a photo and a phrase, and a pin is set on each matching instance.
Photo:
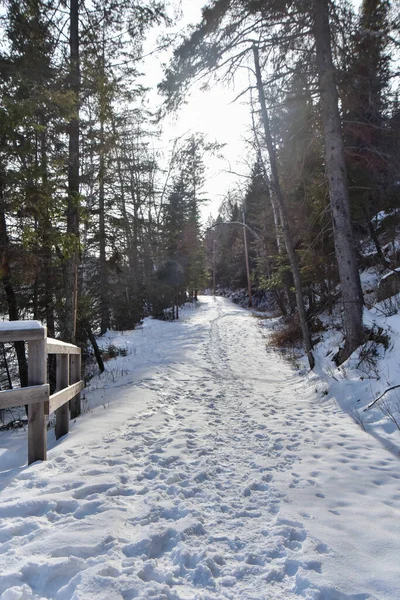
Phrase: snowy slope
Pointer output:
(208, 469)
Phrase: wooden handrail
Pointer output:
(59, 347)
(22, 396)
(37, 395)
(59, 398)
(21, 331)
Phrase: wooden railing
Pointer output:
(37, 396)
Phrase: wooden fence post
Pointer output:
(62, 381)
(37, 427)
(75, 376)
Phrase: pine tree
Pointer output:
(366, 100)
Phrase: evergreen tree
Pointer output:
(366, 100)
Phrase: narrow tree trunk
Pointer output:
(104, 292)
(103, 280)
(246, 253)
(375, 239)
(352, 296)
(71, 267)
(47, 262)
(6, 367)
(95, 347)
(282, 213)
(35, 290)
(13, 313)
(213, 266)
(280, 302)
(268, 182)
(126, 224)
(47, 257)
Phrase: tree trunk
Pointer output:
(5, 362)
(384, 262)
(47, 257)
(13, 313)
(71, 267)
(282, 213)
(213, 266)
(246, 254)
(352, 296)
(96, 348)
(104, 294)
(104, 300)
(268, 182)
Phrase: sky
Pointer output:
(213, 112)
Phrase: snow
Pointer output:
(369, 279)
(391, 248)
(205, 468)
(383, 214)
(390, 273)
(367, 374)
(18, 325)
(59, 343)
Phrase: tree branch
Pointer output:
(394, 387)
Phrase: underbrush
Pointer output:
(112, 351)
(289, 336)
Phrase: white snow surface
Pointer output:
(389, 273)
(206, 468)
(18, 325)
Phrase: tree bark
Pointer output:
(283, 213)
(352, 296)
(96, 348)
(104, 294)
(5, 270)
(71, 267)
(47, 257)
(6, 367)
(246, 254)
(384, 262)
(104, 299)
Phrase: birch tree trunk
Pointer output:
(346, 257)
(276, 188)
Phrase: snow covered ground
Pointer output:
(206, 468)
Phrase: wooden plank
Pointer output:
(15, 331)
(75, 376)
(37, 430)
(60, 347)
(59, 398)
(62, 382)
(22, 396)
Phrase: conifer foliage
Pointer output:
(89, 220)
(323, 127)
(99, 227)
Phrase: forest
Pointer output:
(99, 228)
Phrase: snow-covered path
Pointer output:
(213, 471)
